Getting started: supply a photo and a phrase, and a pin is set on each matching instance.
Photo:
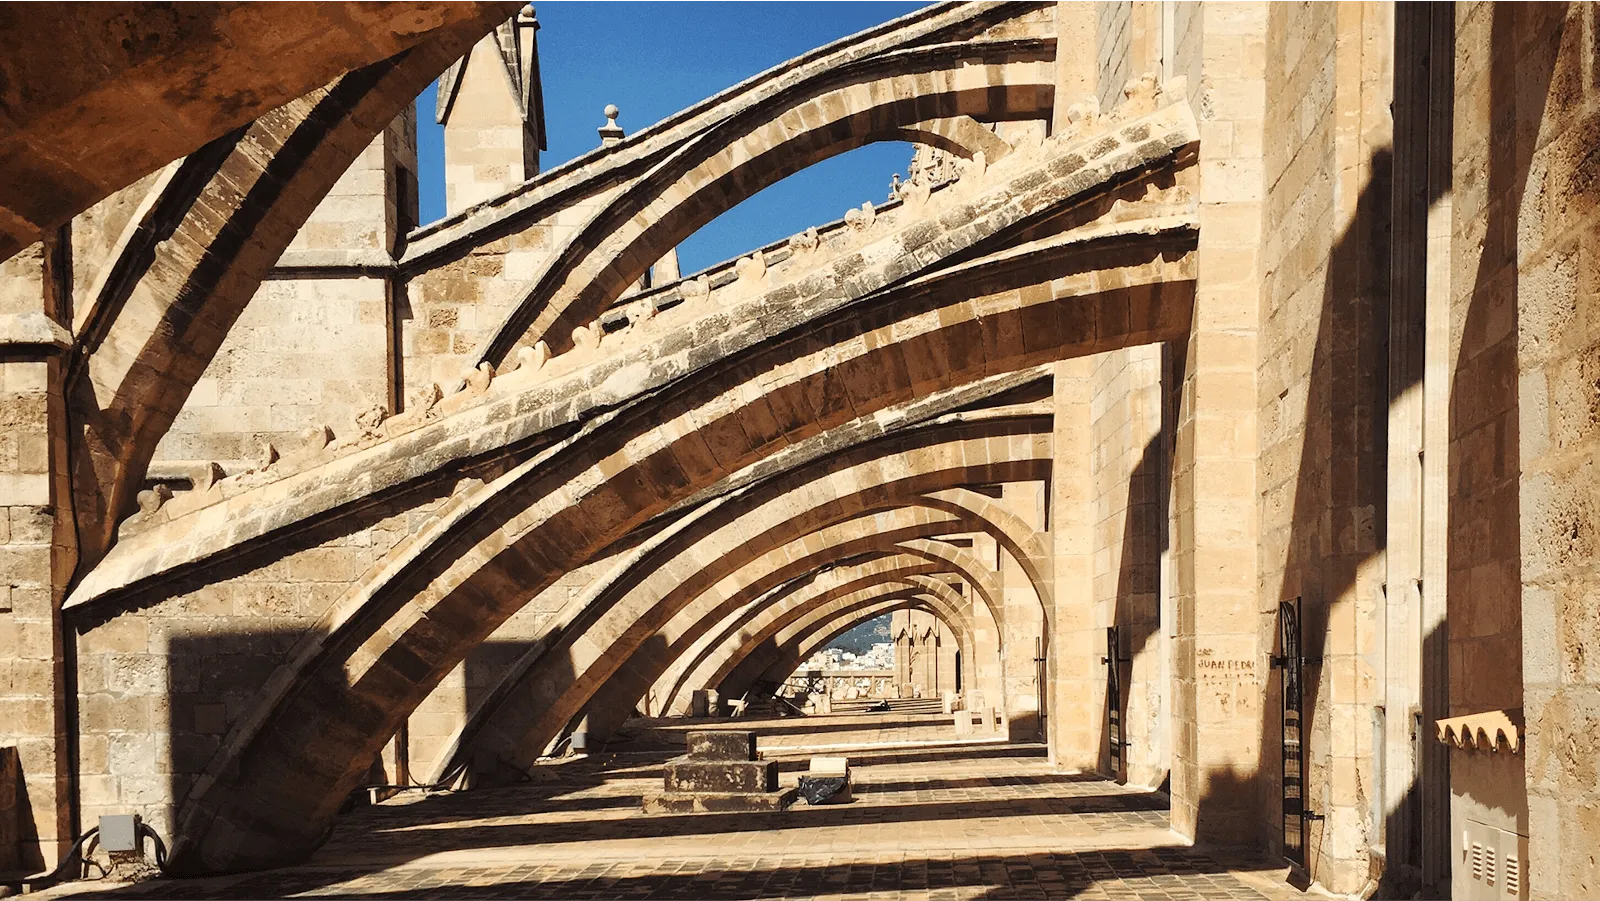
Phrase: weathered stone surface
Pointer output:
(1099, 386)
(155, 85)
(685, 774)
(722, 745)
(708, 802)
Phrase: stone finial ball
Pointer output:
(611, 111)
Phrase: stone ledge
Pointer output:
(1483, 731)
(21, 331)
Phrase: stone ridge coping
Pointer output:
(1483, 731)
(606, 165)
(529, 408)
(32, 330)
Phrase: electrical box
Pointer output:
(1492, 864)
(120, 832)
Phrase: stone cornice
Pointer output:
(31, 334)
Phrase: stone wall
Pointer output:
(1128, 468)
(1129, 44)
(1323, 402)
(158, 695)
(37, 547)
(314, 346)
(1525, 418)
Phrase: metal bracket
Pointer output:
(1311, 817)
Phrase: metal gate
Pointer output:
(1291, 663)
(1041, 676)
(1114, 738)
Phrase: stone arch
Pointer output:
(899, 526)
(190, 262)
(789, 626)
(962, 136)
(704, 664)
(758, 550)
(284, 769)
(855, 104)
(208, 81)
(669, 686)
(786, 659)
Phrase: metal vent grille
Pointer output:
(1513, 874)
(1488, 866)
(1477, 860)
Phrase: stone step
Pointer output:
(718, 802)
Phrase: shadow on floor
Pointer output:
(1166, 872)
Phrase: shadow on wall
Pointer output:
(1136, 610)
(484, 669)
(16, 815)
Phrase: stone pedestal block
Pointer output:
(827, 781)
(719, 774)
(988, 720)
(700, 703)
(722, 745)
(688, 775)
(718, 802)
(963, 722)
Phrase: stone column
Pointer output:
(1025, 623)
(1076, 644)
(1075, 68)
(37, 548)
(1219, 666)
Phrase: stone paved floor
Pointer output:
(932, 819)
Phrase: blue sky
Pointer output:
(653, 59)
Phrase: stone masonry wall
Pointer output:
(159, 693)
(1324, 321)
(1127, 471)
(451, 309)
(1527, 319)
(313, 347)
(37, 554)
(1129, 44)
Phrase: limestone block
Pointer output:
(722, 745)
(827, 781)
(690, 775)
(718, 802)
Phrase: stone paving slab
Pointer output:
(932, 822)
